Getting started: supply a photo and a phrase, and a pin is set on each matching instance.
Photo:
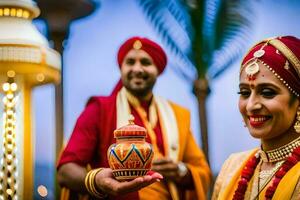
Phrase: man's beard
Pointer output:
(139, 92)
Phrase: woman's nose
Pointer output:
(253, 104)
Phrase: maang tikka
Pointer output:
(253, 68)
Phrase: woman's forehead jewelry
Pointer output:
(253, 68)
(259, 53)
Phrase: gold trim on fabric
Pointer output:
(274, 72)
(287, 53)
(263, 41)
(152, 110)
(169, 127)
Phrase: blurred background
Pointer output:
(90, 68)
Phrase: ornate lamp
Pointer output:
(26, 61)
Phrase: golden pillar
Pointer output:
(26, 61)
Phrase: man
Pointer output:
(177, 156)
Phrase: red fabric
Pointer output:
(117, 87)
(85, 146)
(277, 61)
(153, 49)
(93, 134)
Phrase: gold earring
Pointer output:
(297, 124)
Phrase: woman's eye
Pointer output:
(268, 93)
(244, 93)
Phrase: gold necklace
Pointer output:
(280, 153)
(265, 175)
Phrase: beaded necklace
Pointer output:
(283, 152)
(292, 160)
(249, 169)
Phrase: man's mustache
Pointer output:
(137, 75)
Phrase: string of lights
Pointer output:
(8, 171)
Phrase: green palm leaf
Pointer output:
(206, 35)
(173, 24)
(232, 30)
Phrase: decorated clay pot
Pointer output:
(131, 155)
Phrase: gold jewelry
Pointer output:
(251, 66)
(287, 53)
(280, 153)
(90, 183)
(297, 124)
(264, 177)
(264, 174)
(281, 49)
(286, 65)
(137, 44)
(281, 79)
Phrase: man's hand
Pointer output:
(168, 168)
(106, 182)
(177, 172)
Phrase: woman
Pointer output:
(270, 106)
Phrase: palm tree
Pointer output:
(206, 37)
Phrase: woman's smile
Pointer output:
(258, 120)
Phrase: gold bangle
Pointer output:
(93, 183)
(90, 184)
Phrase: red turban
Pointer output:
(153, 49)
(281, 55)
